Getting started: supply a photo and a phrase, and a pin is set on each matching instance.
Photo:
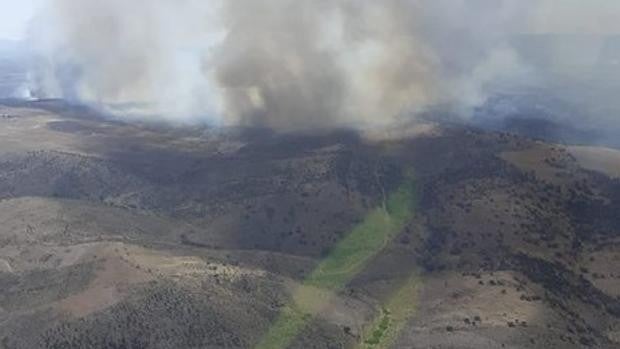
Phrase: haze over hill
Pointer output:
(272, 174)
(312, 64)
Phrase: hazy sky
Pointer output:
(599, 16)
(14, 17)
(378, 59)
(576, 16)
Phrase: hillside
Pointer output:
(132, 235)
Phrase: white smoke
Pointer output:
(282, 63)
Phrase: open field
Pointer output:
(604, 160)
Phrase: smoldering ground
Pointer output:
(294, 64)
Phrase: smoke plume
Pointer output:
(287, 64)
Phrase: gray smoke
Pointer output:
(291, 64)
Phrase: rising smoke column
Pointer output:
(287, 64)
(143, 53)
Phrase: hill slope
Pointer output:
(120, 235)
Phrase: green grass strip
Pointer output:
(346, 260)
(399, 308)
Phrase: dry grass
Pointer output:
(604, 160)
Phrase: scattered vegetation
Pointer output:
(343, 263)
(398, 309)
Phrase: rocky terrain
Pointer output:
(132, 235)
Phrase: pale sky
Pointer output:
(576, 16)
(593, 16)
(14, 17)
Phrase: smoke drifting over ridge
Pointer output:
(285, 64)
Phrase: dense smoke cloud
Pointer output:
(283, 63)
